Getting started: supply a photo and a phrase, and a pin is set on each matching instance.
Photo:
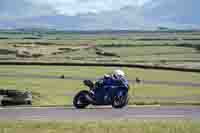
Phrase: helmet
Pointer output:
(106, 76)
(119, 73)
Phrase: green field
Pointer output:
(48, 91)
(174, 49)
(160, 48)
(101, 127)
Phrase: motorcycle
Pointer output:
(97, 95)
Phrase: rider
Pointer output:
(117, 78)
(109, 83)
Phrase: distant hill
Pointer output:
(46, 30)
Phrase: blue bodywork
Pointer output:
(108, 87)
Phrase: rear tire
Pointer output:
(80, 100)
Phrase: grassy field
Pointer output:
(57, 91)
(101, 127)
(179, 49)
(157, 48)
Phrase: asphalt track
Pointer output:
(100, 113)
(169, 83)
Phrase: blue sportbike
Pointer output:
(102, 92)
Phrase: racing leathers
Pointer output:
(112, 80)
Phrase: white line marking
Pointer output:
(70, 107)
(155, 116)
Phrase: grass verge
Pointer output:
(101, 127)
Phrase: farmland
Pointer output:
(179, 49)
(173, 49)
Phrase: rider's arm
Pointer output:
(123, 82)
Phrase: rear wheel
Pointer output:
(80, 100)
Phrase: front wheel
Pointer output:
(121, 100)
(80, 100)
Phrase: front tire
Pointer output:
(80, 101)
(120, 101)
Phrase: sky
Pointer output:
(99, 14)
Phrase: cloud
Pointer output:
(100, 14)
(12, 9)
(21, 8)
(74, 7)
